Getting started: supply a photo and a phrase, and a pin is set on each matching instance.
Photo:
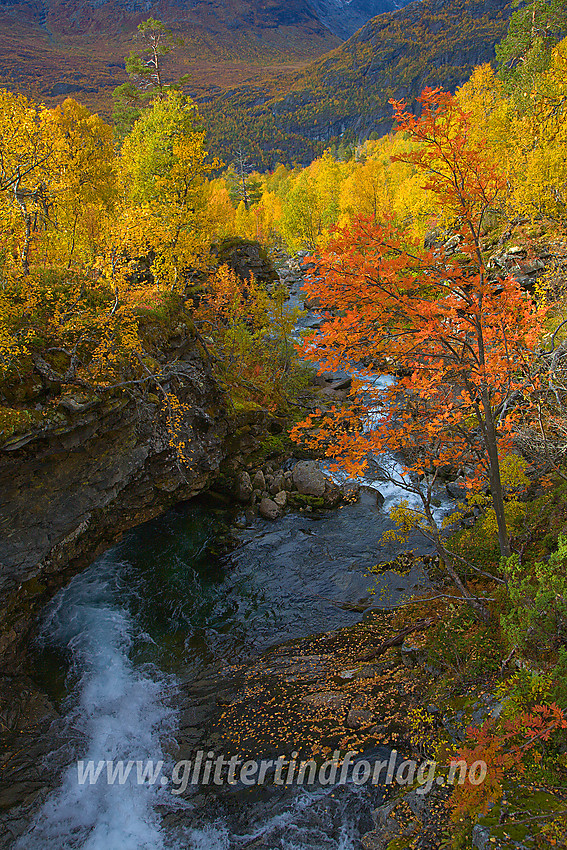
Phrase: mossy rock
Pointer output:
(17, 421)
(246, 257)
(401, 843)
(298, 500)
(271, 446)
(534, 805)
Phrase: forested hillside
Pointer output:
(52, 49)
(344, 95)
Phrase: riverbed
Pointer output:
(183, 600)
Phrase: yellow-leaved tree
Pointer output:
(83, 181)
(164, 219)
(26, 156)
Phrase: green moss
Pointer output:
(534, 806)
(298, 500)
(243, 405)
(16, 421)
(400, 843)
(271, 446)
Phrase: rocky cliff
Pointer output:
(100, 467)
(345, 17)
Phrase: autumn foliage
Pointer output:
(103, 251)
(461, 343)
(508, 748)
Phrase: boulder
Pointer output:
(269, 509)
(312, 304)
(308, 478)
(342, 384)
(258, 481)
(457, 489)
(350, 491)
(244, 487)
(412, 655)
(246, 257)
(332, 495)
(278, 483)
(314, 322)
(452, 243)
(281, 499)
(325, 699)
(481, 838)
(357, 718)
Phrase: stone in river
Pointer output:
(350, 491)
(332, 495)
(308, 478)
(269, 509)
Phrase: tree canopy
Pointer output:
(462, 342)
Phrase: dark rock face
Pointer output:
(345, 17)
(246, 258)
(71, 490)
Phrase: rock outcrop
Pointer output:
(246, 258)
(71, 488)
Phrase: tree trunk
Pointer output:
(25, 252)
(494, 477)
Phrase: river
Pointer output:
(177, 602)
(167, 605)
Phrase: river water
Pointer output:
(166, 607)
(163, 607)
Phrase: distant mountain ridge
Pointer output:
(80, 17)
(345, 17)
(344, 94)
(248, 65)
(55, 47)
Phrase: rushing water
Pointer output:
(115, 711)
(164, 607)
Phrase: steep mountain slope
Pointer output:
(345, 93)
(248, 61)
(345, 17)
(55, 47)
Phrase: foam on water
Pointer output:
(320, 819)
(391, 481)
(116, 711)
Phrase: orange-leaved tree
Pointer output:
(461, 342)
